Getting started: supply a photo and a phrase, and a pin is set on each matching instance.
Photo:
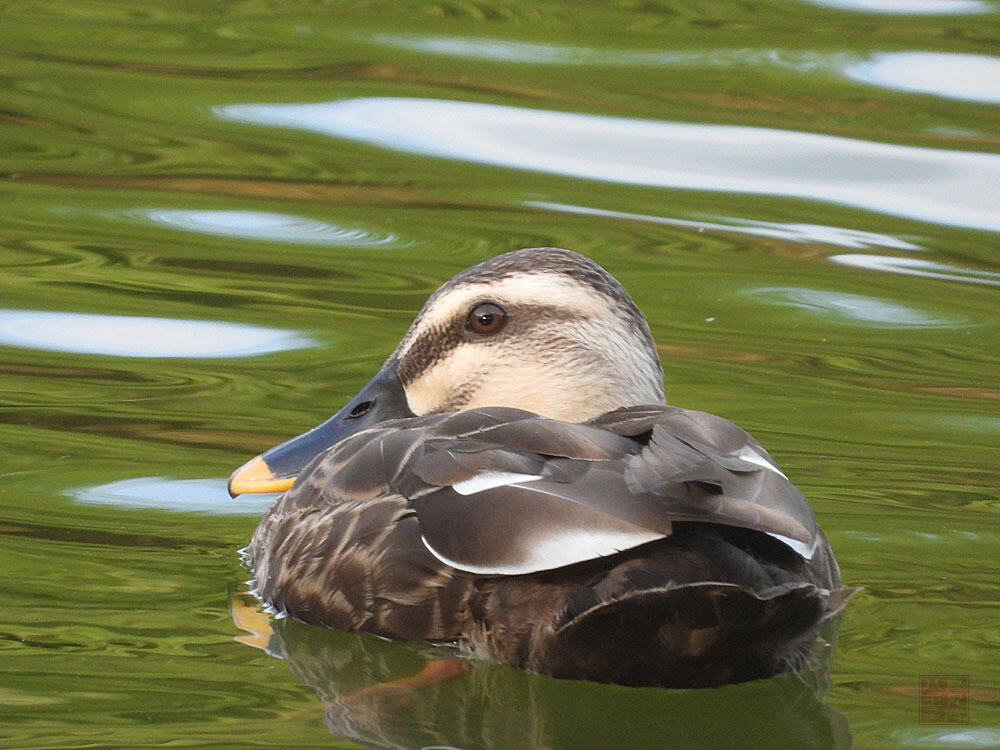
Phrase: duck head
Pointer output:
(543, 329)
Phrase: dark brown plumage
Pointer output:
(715, 601)
(648, 545)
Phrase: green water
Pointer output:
(843, 308)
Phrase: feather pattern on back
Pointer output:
(375, 537)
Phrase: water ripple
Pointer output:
(262, 225)
(503, 50)
(854, 307)
(965, 737)
(131, 336)
(790, 232)
(953, 75)
(947, 187)
(910, 7)
(918, 267)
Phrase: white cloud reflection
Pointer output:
(503, 50)
(945, 74)
(928, 269)
(132, 336)
(936, 185)
(910, 7)
(856, 308)
(262, 225)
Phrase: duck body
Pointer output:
(642, 544)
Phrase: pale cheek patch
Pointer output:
(476, 376)
(540, 390)
(437, 386)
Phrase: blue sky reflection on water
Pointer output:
(949, 187)
(176, 495)
(134, 336)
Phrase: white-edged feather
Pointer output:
(490, 479)
(560, 549)
(801, 548)
(748, 454)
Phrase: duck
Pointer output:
(512, 483)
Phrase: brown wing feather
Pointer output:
(600, 499)
(346, 546)
(708, 605)
(356, 563)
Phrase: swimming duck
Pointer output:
(512, 481)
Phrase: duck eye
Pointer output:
(360, 410)
(486, 318)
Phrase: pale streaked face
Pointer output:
(566, 346)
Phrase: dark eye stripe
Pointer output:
(434, 344)
(429, 347)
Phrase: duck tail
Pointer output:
(694, 635)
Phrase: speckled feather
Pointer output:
(345, 548)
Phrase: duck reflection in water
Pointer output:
(382, 694)
(512, 483)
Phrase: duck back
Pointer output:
(650, 546)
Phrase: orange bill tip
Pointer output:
(256, 476)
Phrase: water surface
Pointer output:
(218, 221)
(951, 187)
